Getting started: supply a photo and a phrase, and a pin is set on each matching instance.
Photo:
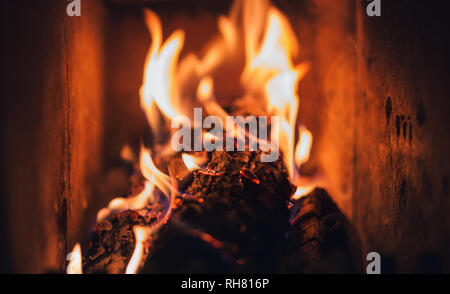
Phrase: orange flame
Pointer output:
(159, 89)
(302, 191)
(154, 177)
(137, 202)
(271, 67)
(153, 174)
(127, 154)
(269, 73)
(205, 88)
(75, 262)
(159, 85)
(135, 261)
(192, 163)
(303, 149)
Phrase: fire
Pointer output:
(154, 178)
(127, 154)
(303, 149)
(191, 162)
(302, 191)
(137, 202)
(159, 87)
(75, 262)
(159, 91)
(135, 261)
(270, 65)
(267, 79)
(205, 88)
(153, 174)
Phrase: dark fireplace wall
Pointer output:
(52, 129)
(401, 142)
(383, 136)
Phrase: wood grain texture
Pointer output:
(52, 90)
(382, 140)
(401, 159)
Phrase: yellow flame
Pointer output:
(154, 177)
(153, 174)
(302, 191)
(303, 149)
(137, 202)
(135, 260)
(269, 73)
(271, 67)
(189, 161)
(159, 85)
(75, 261)
(205, 88)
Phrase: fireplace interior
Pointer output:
(375, 98)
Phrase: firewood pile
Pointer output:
(235, 217)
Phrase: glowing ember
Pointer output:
(248, 174)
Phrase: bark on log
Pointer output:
(322, 240)
(235, 220)
(241, 222)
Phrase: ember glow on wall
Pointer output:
(87, 108)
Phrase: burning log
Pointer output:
(234, 219)
(235, 215)
(113, 241)
(237, 221)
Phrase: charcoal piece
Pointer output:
(178, 242)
